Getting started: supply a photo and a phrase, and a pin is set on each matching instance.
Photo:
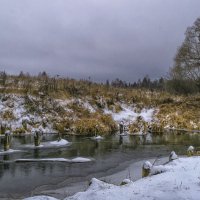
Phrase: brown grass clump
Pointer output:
(63, 126)
(8, 115)
(19, 131)
(182, 113)
(100, 124)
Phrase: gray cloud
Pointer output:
(98, 38)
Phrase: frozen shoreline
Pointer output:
(133, 170)
(179, 180)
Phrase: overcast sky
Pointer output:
(103, 39)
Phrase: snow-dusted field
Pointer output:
(181, 180)
(14, 113)
(14, 105)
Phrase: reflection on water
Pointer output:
(111, 154)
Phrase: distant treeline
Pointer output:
(146, 82)
(45, 83)
(174, 85)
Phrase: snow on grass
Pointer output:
(128, 114)
(14, 104)
(89, 107)
(147, 114)
(179, 181)
(85, 104)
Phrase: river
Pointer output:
(109, 156)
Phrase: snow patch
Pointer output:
(43, 160)
(74, 160)
(60, 142)
(81, 159)
(89, 107)
(97, 138)
(9, 151)
(40, 198)
(128, 114)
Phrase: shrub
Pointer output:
(62, 125)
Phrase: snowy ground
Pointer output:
(181, 180)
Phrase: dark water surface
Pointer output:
(112, 154)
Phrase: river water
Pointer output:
(109, 156)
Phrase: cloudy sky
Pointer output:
(103, 39)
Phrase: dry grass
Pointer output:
(180, 112)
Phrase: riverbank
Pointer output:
(89, 115)
(180, 180)
(132, 171)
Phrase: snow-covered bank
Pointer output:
(23, 114)
(180, 181)
(133, 170)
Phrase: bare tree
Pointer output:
(187, 60)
